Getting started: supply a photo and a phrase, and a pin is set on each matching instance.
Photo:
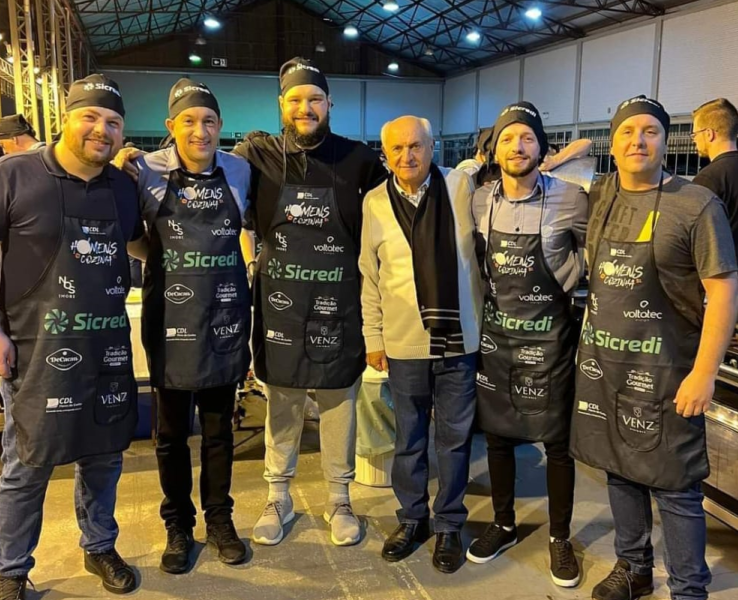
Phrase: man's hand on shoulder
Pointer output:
(124, 161)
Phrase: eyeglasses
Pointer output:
(694, 133)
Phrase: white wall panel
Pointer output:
(459, 104)
(346, 111)
(548, 82)
(387, 100)
(614, 68)
(498, 87)
(698, 58)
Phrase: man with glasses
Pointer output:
(715, 129)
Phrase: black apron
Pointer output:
(634, 352)
(526, 368)
(75, 394)
(196, 317)
(307, 312)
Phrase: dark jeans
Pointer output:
(22, 494)
(417, 387)
(215, 407)
(683, 528)
(559, 480)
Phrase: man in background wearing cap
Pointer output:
(65, 349)
(17, 135)
(714, 131)
(196, 318)
(307, 189)
(481, 168)
(534, 228)
(650, 351)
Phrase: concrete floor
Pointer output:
(306, 566)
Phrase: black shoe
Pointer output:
(231, 550)
(564, 566)
(623, 584)
(494, 540)
(401, 543)
(449, 553)
(13, 588)
(117, 576)
(176, 557)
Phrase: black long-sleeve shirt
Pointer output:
(358, 169)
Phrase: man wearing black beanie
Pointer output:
(650, 350)
(308, 188)
(65, 349)
(196, 318)
(533, 228)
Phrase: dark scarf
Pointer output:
(430, 231)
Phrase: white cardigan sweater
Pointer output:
(388, 297)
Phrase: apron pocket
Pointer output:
(323, 340)
(226, 330)
(114, 398)
(639, 421)
(530, 391)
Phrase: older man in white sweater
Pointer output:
(422, 305)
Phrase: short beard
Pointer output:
(77, 147)
(307, 140)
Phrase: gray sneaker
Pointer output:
(345, 527)
(269, 529)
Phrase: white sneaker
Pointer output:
(269, 529)
(345, 527)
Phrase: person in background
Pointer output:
(17, 135)
(650, 350)
(421, 301)
(714, 131)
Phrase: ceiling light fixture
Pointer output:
(393, 66)
(351, 32)
(195, 58)
(473, 36)
(200, 41)
(320, 47)
(211, 23)
(533, 13)
(390, 6)
(428, 51)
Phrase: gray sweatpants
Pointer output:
(284, 423)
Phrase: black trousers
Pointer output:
(559, 479)
(215, 407)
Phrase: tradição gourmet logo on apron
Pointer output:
(605, 339)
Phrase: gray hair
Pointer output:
(425, 124)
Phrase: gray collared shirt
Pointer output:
(153, 178)
(562, 224)
(415, 198)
